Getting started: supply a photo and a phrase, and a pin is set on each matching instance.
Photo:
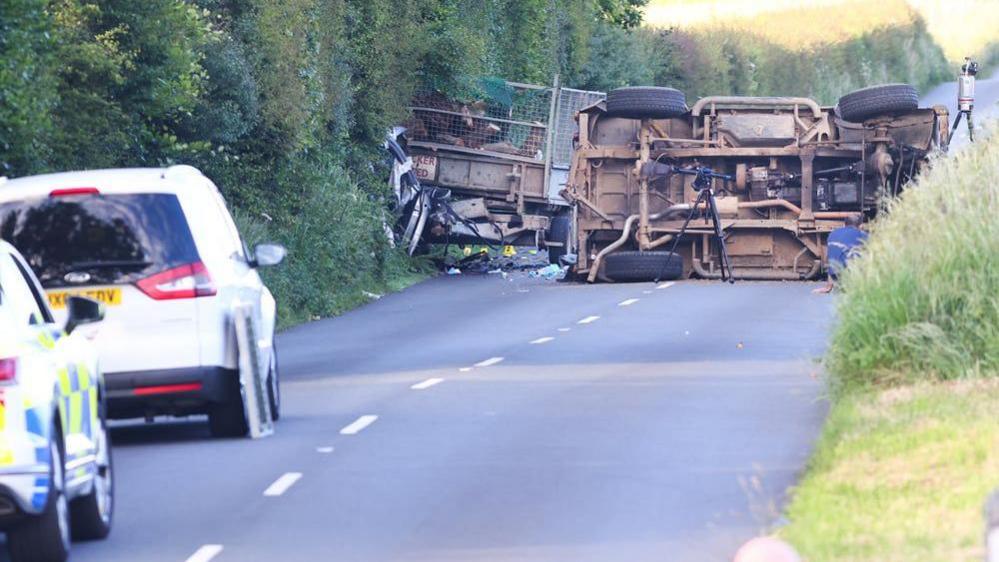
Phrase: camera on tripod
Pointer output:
(969, 67)
(966, 96)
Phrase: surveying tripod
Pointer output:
(966, 96)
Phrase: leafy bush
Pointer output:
(921, 300)
(337, 246)
(27, 86)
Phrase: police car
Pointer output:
(55, 454)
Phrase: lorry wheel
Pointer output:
(877, 100)
(560, 231)
(643, 266)
(646, 101)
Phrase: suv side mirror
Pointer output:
(82, 311)
(268, 254)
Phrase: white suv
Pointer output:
(160, 249)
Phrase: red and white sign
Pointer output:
(425, 167)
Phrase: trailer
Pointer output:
(783, 173)
(487, 167)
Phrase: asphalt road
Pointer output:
(668, 427)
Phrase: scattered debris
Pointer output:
(453, 271)
(551, 271)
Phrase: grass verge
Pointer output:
(921, 302)
(910, 449)
(901, 474)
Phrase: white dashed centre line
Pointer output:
(465, 369)
(326, 450)
(358, 424)
(282, 484)
(627, 302)
(488, 362)
(588, 319)
(205, 553)
(426, 384)
(540, 341)
(666, 285)
(564, 329)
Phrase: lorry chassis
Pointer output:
(796, 170)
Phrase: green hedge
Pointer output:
(284, 103)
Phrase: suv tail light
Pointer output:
(8, 370)
(185, 282)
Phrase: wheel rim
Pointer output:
(103, 481)
(58, 488)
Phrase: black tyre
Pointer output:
(559, 231)
(274, 386)
(646, 101)
(643, 266)
(228, 418)
(878, 100)
(45, 537)
(91, 514)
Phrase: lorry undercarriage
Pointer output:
(785, 172)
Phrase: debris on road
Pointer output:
(453, 271)
(549, 272)
(494, 261)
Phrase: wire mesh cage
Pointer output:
(569, 103)
(498, 116)
(502, 117)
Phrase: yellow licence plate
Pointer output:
(110, 296)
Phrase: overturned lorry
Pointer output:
(783, 172)
(487, 167)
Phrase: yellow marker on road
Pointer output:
(509, 251)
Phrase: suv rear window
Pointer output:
(113, 238)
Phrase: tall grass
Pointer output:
(715, 60)
(923, 299)
(789, 23)
(961, 27)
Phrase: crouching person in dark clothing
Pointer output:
(844, 243)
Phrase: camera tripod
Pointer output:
(705, 196)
